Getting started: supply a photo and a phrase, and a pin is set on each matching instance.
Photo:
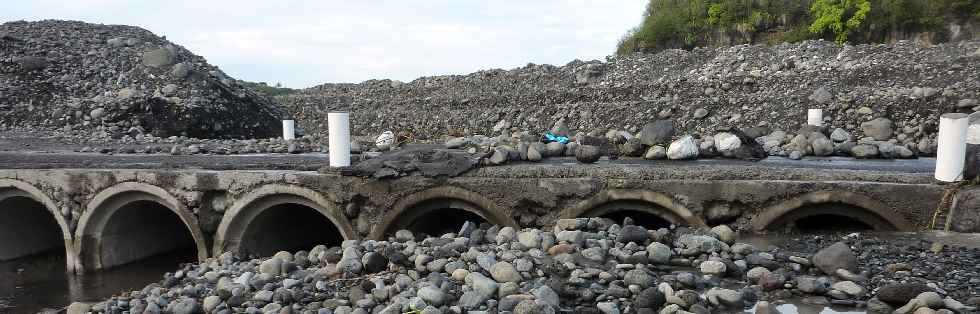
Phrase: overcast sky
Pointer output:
(305, 43)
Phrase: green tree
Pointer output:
(839, 16)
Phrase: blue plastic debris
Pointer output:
(559, 139)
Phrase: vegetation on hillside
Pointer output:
(690, 23)
(264, 88)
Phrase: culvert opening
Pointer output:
(440, 221)
(643, 219)
(27, 228)
(288, 227)
(830, 223)
(645, 214)
(830, 217)
(143, 230)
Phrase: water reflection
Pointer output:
(30, 284)
(801, 308)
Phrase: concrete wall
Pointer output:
(217, 207)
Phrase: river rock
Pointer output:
(864, 151)
(432, 295)
(633, 233)
(533, 154)
(385, 141)
(158, 58)
(724, 233)
(683, 148)
(931, 299)
(632, 148)
(689, 244)
(836, 256)
(725, 297)
(851, 288)
(727, 143)
(900, 293)
(712, 268)
(272, 266)
(880, 129)
(658, 253)
(587, 154)
(504, 272)
(655, 152)
(78, 308)
(530, 239)
(608, 307)
(658, 132)
(876, 306)
(638, 277)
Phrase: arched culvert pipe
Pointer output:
(133, 221)
(437, 217)
(648, 207)
(26, 227)
(287, 227)
(648, 215)
(31, 223)
(415, 211)
(830, 210)
(280, 217)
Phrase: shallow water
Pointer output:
(800, 308)
(30, 284)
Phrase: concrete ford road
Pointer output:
(108, 217)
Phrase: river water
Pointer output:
(32, 284)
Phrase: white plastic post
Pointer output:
(814, 117)
(951, 153)
(338, 125)
(288, 129)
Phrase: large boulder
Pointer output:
(655, 152)
(159, 57)
(899, 294)
(822, 146)
(864, 151)
(658, 132)
(727, 143)
(834, 257)
(632, 148)
(880, 129)
(588, 154)
(683, 148)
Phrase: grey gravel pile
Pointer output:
(873, 94)
(107, 81)
(587, 265)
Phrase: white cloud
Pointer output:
(304, 43)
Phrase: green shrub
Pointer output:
(839, 16)
(688, 23)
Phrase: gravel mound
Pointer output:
(881, 92)
(108, 81)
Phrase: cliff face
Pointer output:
(702, 90)
(954, 31)
(109, 80)
(669, 24)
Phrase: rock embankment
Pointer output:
(113, 81)
(587, 265)
(871, 93)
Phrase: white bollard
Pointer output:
(288, 129)
(338, 126)
(814, 117)
(951, 153)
